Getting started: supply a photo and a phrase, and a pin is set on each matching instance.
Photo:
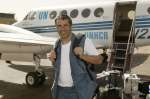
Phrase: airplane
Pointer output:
(100, 21)
(106, 23)
(18, 44)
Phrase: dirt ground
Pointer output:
(10, 90)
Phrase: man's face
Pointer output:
(63, 28)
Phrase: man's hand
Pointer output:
(78, 51)
(52, 56)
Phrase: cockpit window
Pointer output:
(98, 12)
(33, 16)
(86, 12)
(27, 16)
(74, 13)
(30, 16)
(53, 14)
(63, 12)
(148, 10)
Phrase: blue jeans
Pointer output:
(66, 93)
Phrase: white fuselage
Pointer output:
(97, 27)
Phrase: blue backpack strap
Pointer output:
(79, 41)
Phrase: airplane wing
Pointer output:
(22, 45)
(12, 42)
(16, 41)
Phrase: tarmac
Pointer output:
(12, 81)
(12, 76)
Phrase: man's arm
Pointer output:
(93, 59)
(89, 53)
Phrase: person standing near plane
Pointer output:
(71, 79)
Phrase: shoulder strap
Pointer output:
(79, 41)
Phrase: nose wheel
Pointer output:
(35, 79)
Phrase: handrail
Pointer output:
(130, 46)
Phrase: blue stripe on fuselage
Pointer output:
(140, 23)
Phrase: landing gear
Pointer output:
(34, 79)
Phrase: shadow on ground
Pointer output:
(28, 68)
(16, 91)
(9, 90)
(139, 59)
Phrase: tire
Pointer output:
(32, 79)
(41, 78)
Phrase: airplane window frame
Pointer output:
(74, 13)
(63, 12)
(53, 14)
(148, 10)
(85, 11)
(96, 12)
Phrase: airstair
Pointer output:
(123, 45)
(121, 52)
(120, 56)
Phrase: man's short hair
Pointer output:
(64, 17)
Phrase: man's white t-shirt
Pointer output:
(65, 77)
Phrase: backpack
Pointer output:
(76, 43)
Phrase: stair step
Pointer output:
(120, 58)
(119, 49)
(117, 67)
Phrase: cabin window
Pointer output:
(98, 12)
(86, 12)
(53, 14)
(148, 10)
(63, 12)
(74, 13)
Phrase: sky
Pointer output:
(21, 7)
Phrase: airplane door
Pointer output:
(123, 36)
(123, 24)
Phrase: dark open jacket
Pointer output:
(84, 86)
